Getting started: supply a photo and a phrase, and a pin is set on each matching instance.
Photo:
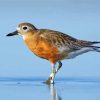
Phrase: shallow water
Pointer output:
(63, 89)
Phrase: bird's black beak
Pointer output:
(13, 33)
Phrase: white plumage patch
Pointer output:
(78, 52)
(24, 37)
(63, 49)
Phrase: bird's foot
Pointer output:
(50, 80)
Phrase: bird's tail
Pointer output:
(95, 48)
(90, 44)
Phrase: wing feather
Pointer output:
(59, 39)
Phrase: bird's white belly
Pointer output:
(78, 52)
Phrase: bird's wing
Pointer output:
(59, 39)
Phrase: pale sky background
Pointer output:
(78, 18)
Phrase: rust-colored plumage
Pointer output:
(42, 47)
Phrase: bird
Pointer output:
(53, 46)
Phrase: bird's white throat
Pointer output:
(24, 37)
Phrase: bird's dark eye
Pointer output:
(24, 28)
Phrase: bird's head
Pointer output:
(22, 29)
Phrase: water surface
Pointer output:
(63, 89)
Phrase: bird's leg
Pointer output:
(54, 71)
(59, 66)
(52, 75)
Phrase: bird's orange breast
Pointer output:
(43, 48)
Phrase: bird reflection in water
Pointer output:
(54, 92)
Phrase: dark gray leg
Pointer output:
(59, 66)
